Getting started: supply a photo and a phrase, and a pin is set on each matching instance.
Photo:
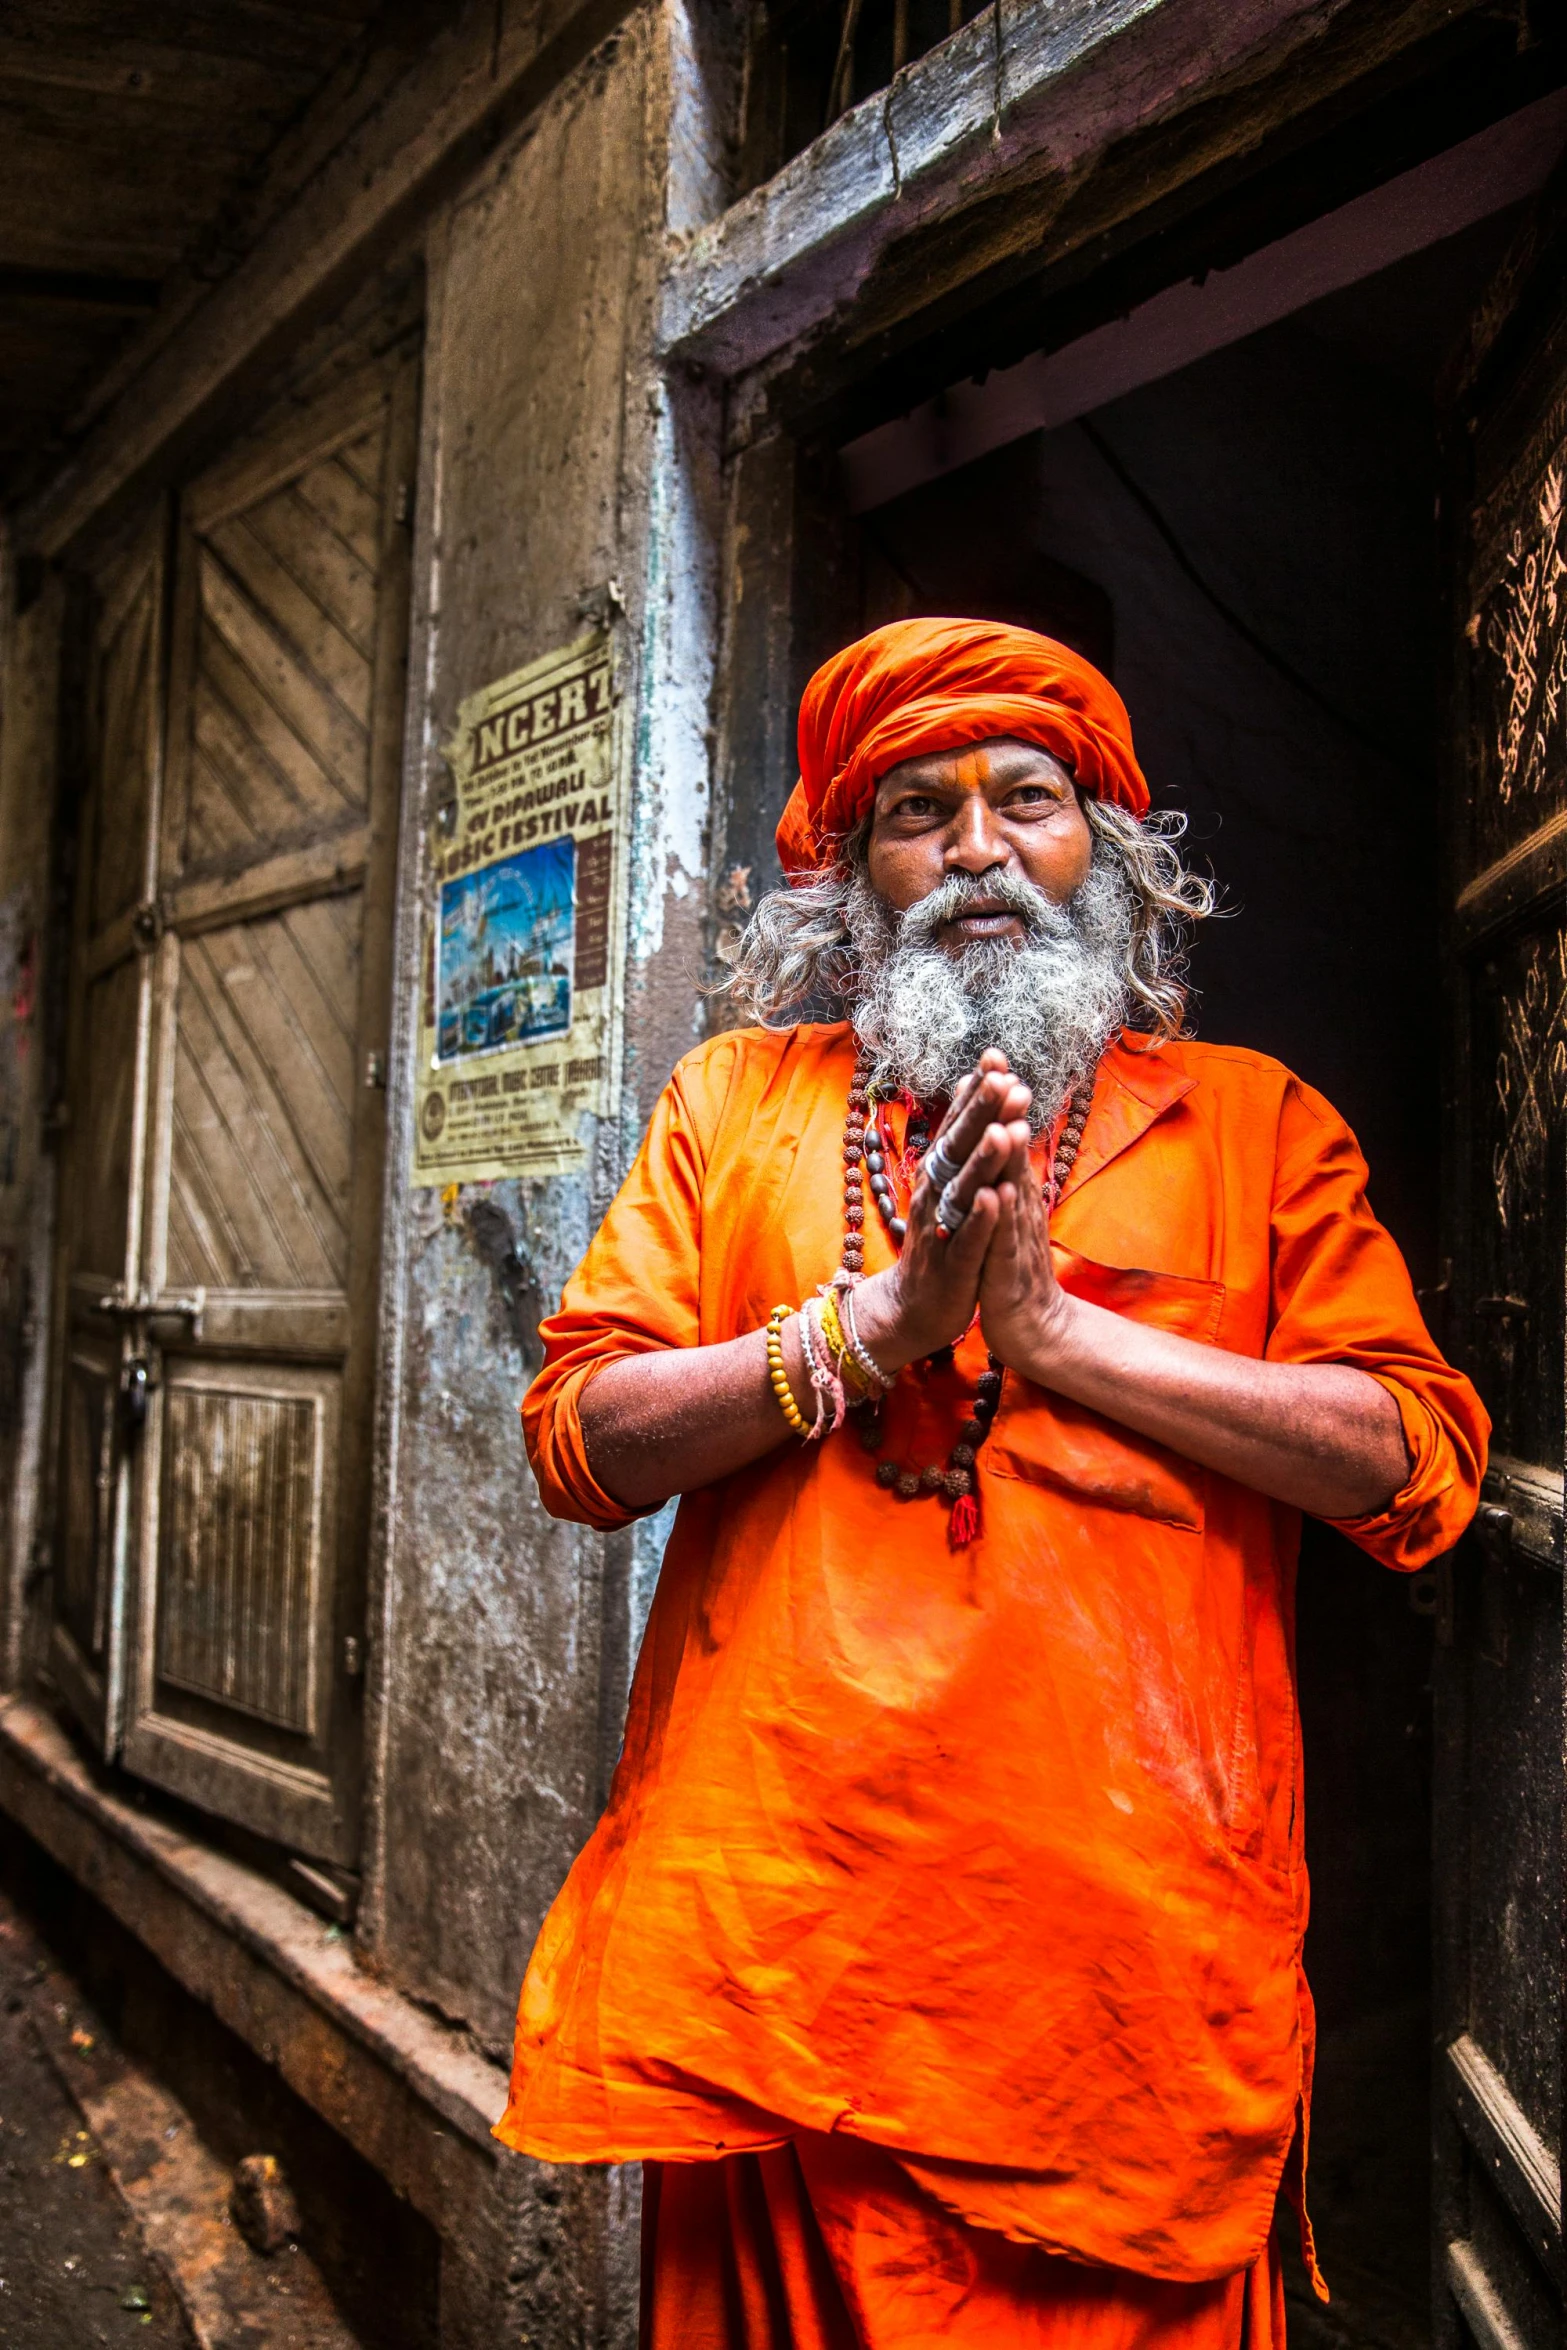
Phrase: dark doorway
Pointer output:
(1252, 544)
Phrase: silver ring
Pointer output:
(940, 1165)
(948, 1213)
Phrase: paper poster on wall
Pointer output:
(519, 1023)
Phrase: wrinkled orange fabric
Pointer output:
(827, 2244)
(917, 686)
(990, 1858)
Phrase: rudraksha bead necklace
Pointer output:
(867, 1158)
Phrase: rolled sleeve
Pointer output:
(1342, 1294)
(635, 1292)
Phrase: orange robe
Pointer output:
(827, 2244)
(988, 1858)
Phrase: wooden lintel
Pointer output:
(1010, 117)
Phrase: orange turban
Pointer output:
(918, 686)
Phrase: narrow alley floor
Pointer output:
(116, 2221)
(74, 2268)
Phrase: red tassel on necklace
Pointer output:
(963, 1524)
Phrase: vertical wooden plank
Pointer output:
(109, 1050)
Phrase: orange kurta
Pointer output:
(989, 1857)
(827, 2244)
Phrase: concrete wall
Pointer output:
(561, 481)
(555, 481)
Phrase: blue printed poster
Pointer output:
(508, 932)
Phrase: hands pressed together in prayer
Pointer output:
(998, 1260)
(1323, 1437)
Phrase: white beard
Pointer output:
(1050, 1001)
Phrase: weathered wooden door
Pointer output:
(1499, 1820)
(103, 1148)
(248, 1302)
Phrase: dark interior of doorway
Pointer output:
(1251, 545)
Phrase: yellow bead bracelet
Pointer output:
(777, 1375)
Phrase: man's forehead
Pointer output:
(977, 766)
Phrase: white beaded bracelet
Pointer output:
(864, 1360)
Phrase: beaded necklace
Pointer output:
(866, 1154)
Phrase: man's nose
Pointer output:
(975, 842)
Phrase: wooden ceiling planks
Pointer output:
(129, 140)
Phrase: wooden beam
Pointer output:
(468, 84)
(995, 128)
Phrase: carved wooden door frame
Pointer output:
(1499, 1669)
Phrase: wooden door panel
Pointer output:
(343, 491)
(103, 1109)
(1514, 1743)
(230, 1704)
(261, 1157)
(268, 555)
(1517, 628)
(244, 1530)
(126, 747)
(1518, 1058)
(297, 723)
(83, 1562)
(253, 781)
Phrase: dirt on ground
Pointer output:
(73, 2270)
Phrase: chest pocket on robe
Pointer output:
(1046, 1440)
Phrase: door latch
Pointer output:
(143, 1307)
(1494, 1533)
(135, 1387)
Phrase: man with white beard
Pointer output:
(939, 1950)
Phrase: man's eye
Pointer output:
(915, 805)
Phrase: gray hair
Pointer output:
(797, 956)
